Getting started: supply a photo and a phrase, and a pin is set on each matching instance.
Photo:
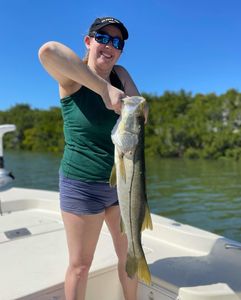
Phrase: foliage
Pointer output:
(199, 126)
(179, 125)
(37, 130)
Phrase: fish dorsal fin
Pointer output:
(147, 222)
(112, 180)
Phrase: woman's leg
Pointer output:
(112, 219)
(82, 235)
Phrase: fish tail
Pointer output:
(139, 266)
(147, 222)
(131, 265)
(143, 271)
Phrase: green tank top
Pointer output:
(89, 151)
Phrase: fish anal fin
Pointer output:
(143, 271)
(112, 180)
(147, 222)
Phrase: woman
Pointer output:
(91, 91)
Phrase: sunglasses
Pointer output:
(104, 38)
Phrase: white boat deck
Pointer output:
(183, 260)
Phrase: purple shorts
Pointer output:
(85, 198)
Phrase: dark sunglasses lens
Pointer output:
(118, 43)
(102, 38)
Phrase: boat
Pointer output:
(186, 263)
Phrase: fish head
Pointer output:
(132, 110)
(125, 133)
(133, 105)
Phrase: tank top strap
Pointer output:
(115, 80)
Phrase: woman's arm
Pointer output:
(127, 81)
(68, 69)
(129, 86)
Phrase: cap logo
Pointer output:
(109, 20)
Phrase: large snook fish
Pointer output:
(129, 174)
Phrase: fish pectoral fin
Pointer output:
(143, 271)
(147, 222)
(122, 226)
(112, 180)
(122, 167)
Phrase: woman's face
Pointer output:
(100, 55)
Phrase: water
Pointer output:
(205, 194)
(33, 170)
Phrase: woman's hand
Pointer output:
(112, 98)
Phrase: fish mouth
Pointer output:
(134, 100)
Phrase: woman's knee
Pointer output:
(80, 269)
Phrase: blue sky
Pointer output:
(193, 45)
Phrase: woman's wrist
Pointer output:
(104, 93)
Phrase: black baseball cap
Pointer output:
(102, 22)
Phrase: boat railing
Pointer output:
(232, 246)
(6, 177)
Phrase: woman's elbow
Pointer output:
(46, 50)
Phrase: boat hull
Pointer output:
(186, 263)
